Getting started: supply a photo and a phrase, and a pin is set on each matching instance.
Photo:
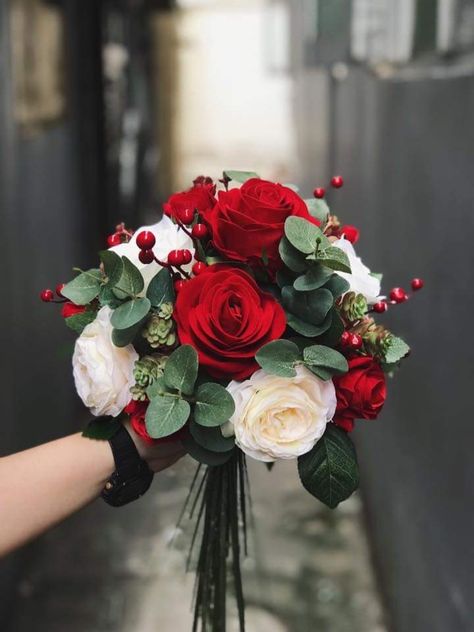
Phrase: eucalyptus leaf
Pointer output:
(160, 289)
(84, 288)
(314, 278)
(124, 337)
(279, 357)
(108, 297)
(131, 282)
(303, 235)
(77, 322)
(284, 276)
(307, 329)
(330, 471)
(101, 428)
(181, 369)
(318, 209)
(130, 313)
(156, 388)
(327, 358)
(323, 374)
(396, 351)
(291, 257)
(202, 455)
(214, 405)
(165, 415)
(113, 266)
(211, 438)
(311, 307)
(334, 258)
(337, 285)
(333, 334)
(240, 176)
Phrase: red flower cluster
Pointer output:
(227, 318)
(360, 392)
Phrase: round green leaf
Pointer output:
(161, 288)
(304, 235)
(291, 257)
(165, 415)
(130, 313)
(202, 455)
(131, 282)
(84, 288)
(334, 258)
(279, 357)
(314, 278)
(214, 405)
(311, 307)
(211, 438)
(326, 358)
(181, 369)
(113, 266)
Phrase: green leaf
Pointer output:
(124, 337)
(107, 297)
(102, 428)
(202, 455)
(335, 259)
(131, 282)
(130, 313)
(161, 288)
(314, 278)
(333, 334)
(329, 471)
(78, 322)
(285, 277)
(323, 374)
(165, 415)
(397, 350)
(306, 329)
(181, 369)
(84, 288)
(311, 307)
(214, 405)
(279, 357)
(291, 257)
(211, 438)
(325, 357)
(113, 266)
(303, 235)
(157, 387)
(240, 176)
(318, 208)
(337, 285)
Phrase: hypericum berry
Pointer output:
(146, 256)
(146, 240)
(380, 307)
(47, 296)
(351, 233)
(337, 182)
(355, 341)
(319, 192)
(199, 267)
(187, 216)
(175, 257)
(179, 284)
(199, 231)
(59, 289)
(345, 338)
(114, 240)
(398, 295)
(186, 256)
(417, 284)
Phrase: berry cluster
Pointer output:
(397, 295)
(336, 182)
(122, 235)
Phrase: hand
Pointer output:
(158, 456)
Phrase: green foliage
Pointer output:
(77, 322)
(102, 428)
(211, 438)
(207, 457)
(317, 357)
(181, 369)
(333, 333)
(330, 471)
(279, 357)
(131, 282)
(397, 350)
(165, 415)
(157, 387)
(113, 266)
(337, 285)
(304, 236)
(108, 297)
(312, 307)
(124, 337)
(334, 258)
(130, 313)
(291, 257)
(161, 288)
(318, 208)
(306, 329)
(84, 288)
(214, 405)
(240, 176)
(313, 279)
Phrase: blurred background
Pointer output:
(108, 106)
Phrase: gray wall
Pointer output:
(406, 150)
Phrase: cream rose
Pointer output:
(360, 279)
(168, 237)
(103, 373)
(280, 417)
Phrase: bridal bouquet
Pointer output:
(242, 323)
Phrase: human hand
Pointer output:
(158, 456)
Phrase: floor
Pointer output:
(114, 569)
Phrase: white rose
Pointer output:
(103, 373)
(168, 237)
(360, 279)
(280, 417)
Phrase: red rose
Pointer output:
(71, 309)
(360, 393)
(351, 233)
(225, 316)
(199, 198)
(137, 412)
(247, 224)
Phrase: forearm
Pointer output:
(42, 486)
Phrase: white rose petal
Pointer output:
(360, 279)
(280, 417)
(103, 373)
(168, 237)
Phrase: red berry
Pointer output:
(319, 192)
(337, 182)
(186, 256)
(199, 267)
(380, 307)
(46, 296)
(398, 295)
(146, 240)
(345, 338)
(355, 341)
(199, 231)
(351, 233)
(417, 284)
(114, 240)
(175, 257)
(60, 288)
(146, 256)
(187, 216)
(179, 284)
